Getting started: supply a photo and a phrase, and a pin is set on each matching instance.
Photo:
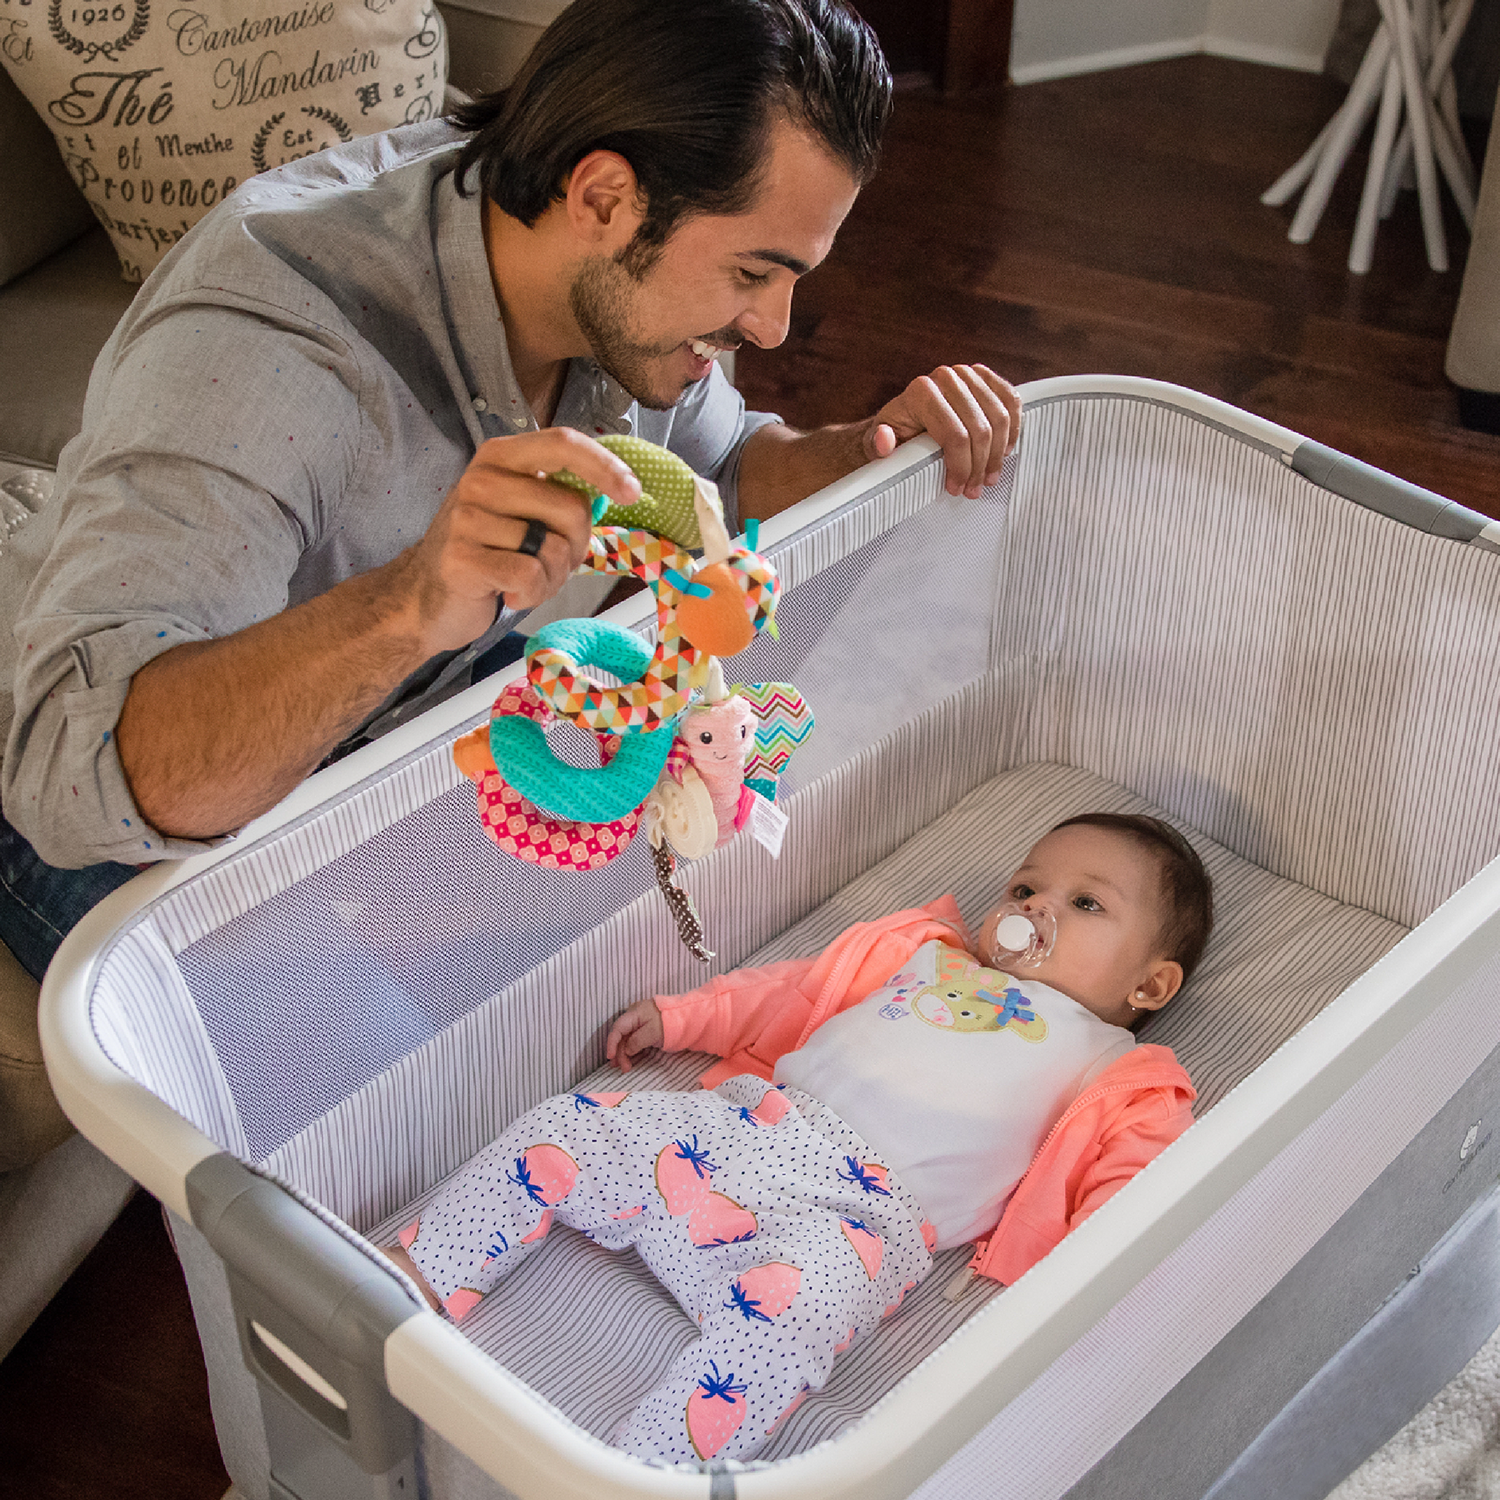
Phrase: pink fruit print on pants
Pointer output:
(929, 1235)
(765, 1292)
(869, 1175)
(771, 1109)
(462, 1302)
(839, 1348)
(900, 1298)
(714, 1411)
(867, 1245)
(546, 1174)
(718, 1220)
(540, 1232)
(682, 1175)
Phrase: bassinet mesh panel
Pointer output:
(315, 963)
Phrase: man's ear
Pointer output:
(1162, 981)
(605, 205)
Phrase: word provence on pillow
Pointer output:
(160, 112)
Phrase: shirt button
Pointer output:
(480, 404)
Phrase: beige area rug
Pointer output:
(1449, 1451)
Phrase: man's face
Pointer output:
(719, 279)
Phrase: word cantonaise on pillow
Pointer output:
(161, 110)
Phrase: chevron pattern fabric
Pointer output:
(785, 721)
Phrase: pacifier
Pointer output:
(1023, 939)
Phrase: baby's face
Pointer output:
(1103, 891)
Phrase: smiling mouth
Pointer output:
(705, 350)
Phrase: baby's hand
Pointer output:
(635, 1031)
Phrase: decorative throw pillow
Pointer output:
(161, 110)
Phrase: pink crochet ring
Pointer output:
(519, 826)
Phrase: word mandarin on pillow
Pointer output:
(161, 110)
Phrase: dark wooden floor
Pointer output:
(105, 1398)
(1112, 224)
(1100, 224)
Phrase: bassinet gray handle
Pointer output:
(313, 1313)
(1397, 498)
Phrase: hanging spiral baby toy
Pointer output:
(691, 791)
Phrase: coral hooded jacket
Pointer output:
(1133, 1110)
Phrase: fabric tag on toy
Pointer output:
(768, 824)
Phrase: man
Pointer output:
(309, 494)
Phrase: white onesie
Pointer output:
(954, 1074)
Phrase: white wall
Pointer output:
(1053, 38)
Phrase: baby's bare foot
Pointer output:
(398, 1256)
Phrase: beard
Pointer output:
(601, 300)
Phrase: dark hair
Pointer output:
(1187, 893)
(687, 92)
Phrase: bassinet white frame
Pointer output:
(1110, 1284)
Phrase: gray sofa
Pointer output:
(61, 294)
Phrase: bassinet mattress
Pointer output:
(590, 1331)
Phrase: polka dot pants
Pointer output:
(768, 1219)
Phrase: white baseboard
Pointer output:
(1129, 57)
(1275, 57)
(1099, 62)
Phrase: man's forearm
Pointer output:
(780, 466)
(213, 734)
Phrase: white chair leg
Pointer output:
(1362, 249)
(1417, 111)
(1350, 121)
(1366, 79)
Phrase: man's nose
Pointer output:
(766, 320)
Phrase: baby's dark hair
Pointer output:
(1187, 892)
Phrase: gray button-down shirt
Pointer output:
(284, 405)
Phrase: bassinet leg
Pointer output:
(313, 1312)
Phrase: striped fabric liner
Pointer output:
(152, 1029)
(1308, 682)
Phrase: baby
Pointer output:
(908, 1090)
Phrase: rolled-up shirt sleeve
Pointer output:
(181, 516)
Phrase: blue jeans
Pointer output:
(39, 904)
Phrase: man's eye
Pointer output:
(753, 278)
